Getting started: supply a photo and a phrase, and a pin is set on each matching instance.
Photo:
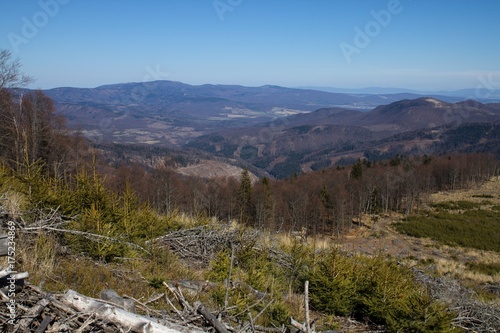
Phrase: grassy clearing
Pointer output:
(456, 205)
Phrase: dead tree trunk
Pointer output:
(135, 322)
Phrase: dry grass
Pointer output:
(14, 203)
(488, 191)
(37, 254)
(456, 265)
(317, 242)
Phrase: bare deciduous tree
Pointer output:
(10, 72)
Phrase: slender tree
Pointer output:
(244, 197)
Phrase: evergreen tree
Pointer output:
(245, 206)
(357, 170)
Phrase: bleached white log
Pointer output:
(13, 274)
(132, 321)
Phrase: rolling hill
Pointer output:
(332, 136)
(172, 113)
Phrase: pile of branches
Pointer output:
(199, 245)
(37, 311)
(472, 315)
(40, 312)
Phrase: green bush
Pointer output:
(219, 267)
(253, 273)
(333, 285)
(378, 289)
(486, 196)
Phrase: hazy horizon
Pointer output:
(417, 45)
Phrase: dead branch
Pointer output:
(219, 327)
(306, 301)
(472, 315)
(24, 324)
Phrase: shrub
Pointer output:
(378, 289)
(486, 196)
(456, 205)
(473, 228)
(333, 285)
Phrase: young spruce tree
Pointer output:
(246, 210)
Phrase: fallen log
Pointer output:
(131, 321)
(111, 296)
(13, 274)
(301, 327)
(210, 318)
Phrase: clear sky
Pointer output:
(418, 44)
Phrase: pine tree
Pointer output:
(357, 170)
(244, 198)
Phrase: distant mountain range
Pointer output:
(172, 113)
(481, 93)
(279, 131)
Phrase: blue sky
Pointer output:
(417, 44)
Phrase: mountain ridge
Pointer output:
(276, 130)
(332, 136)
(172, 113)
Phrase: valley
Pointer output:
(277, 131)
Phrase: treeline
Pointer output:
(327, 201)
